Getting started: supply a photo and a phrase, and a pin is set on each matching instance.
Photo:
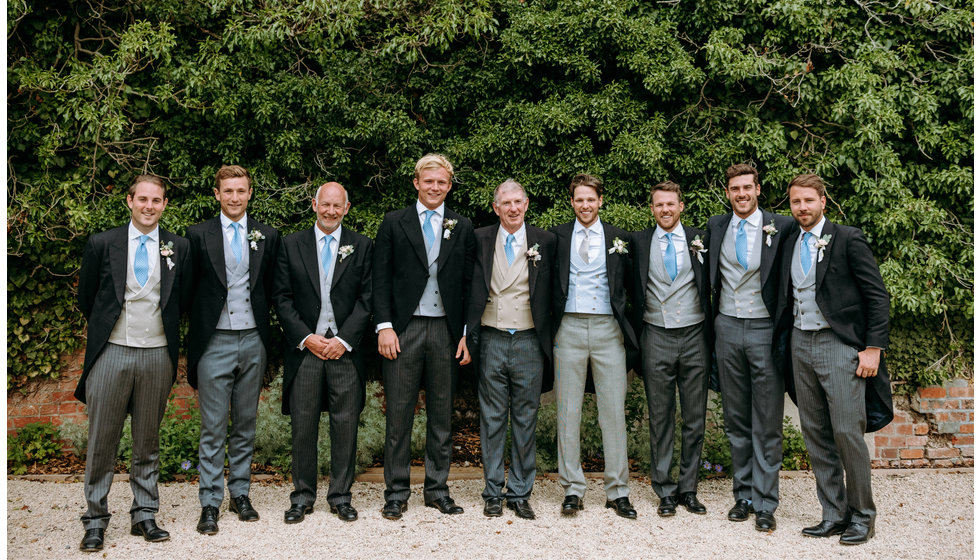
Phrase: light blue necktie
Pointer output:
(141, 264)
(670, 257)
(236, 243)
(806, 258)
(326, 255)
(742, 246)
(509, 249)
(430, 236)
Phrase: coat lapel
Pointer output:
(413, 232)
(446, 245)
(769, 251)
(532, 269)
(341, 264)
(612, 258)
(166, 272)
(643, 254)
(488, 255)
(119, 247)
(308, 247)
(828, 229)
(717, 235)
(690, 234)
(254, 257)
(214, 241)
(564, 255)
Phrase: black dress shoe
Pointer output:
(623, 507)
(209, 521)
(522, 508)
(92, 541)
(243, 507)
(571, 505)
(149, 531)
(825, 529)
(393, 509)
(740, 511)
(296, 513)
(345, 512)
(690, 501)
(445, 505)
(765, 521)
(667, 507)
(857, 533)
(492, 507)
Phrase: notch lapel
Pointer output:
(308, 247)
(119, 247)
(564, 255)
(254, 257)
(769, 251)
(690, 234)
(413, 232)
(612, 259)
(341, 265)
(446, 245)
(166, 273)
(532, 268)
(643, 254)
(828, 229)
(214, 241)
(717, 236)
(488, 253)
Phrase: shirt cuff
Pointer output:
(344, 342)
(302, 343)
(382, 326)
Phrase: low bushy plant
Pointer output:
(35, 443)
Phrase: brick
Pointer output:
(949, 427)
(960, 416)
(887, 453)
(882, 440)
(941, 416)
(941, 452)
(904, 429)
(19, 422)
(876, 464)
(887, 430)
(916, 441)
(966, 428)
(960, 392)
(48, 409)
(74, 407)
(920, 429)
(932, 393)
(902, 416)
(920, 463)
(942, 463)
(967, 451)
(957, 382)
(949, 404)
(911, 454)
(962, 440)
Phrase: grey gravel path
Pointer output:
(922, 514)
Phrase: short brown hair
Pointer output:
(810, 181)
(667, 186)
(429, 161)
(585, 180)
(230, 172)
(153, 179)
(740, 169)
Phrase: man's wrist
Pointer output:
(383, 326)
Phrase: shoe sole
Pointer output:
(666, 513)
(695, 512)
(394, 517)
(306, 512)
(337, 513)
(518, 514)
(242, 518)
(434, 506)
(871, 535)
(570, 511)
(90, 549)
(207, 531)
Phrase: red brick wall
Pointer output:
(936, 430)
(54, 401)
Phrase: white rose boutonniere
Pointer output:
(697, 246)
(345, 251)
(167, 251)
(253, 239)
(770, 231)
(619, 247)
(533, 255)
(821, 245)
(447, 228)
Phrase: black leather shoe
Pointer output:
(571, 505)
(857, 533)
(149, 531)
(765, 521)
(825, 529)
(522, 508)
(296, 513)
(92, 541)
(345, 512)
(690, 502)
(492, 507)
(393, 509)
(445, 505)
(667, 507)
(740, 511)
(243, 507)
(208, 524)
(623, 507)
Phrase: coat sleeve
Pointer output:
(88, 277)
(381, 272)
(865, 271)
(293, 328)
(353, 328)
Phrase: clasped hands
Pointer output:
(324, 348)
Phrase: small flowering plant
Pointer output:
(770, 231)
(619, 247)
(167, 251)
(185, 465)
(821, 245)
(345, 251)
(533, 254)
(254, 237)
(697, 246)
(447, 228)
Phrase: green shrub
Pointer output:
(35, 443)
(795, 456)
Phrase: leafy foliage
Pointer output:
(35, 443)
(876, 98)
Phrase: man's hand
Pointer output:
(463, 351)
(868, 360)
(388, 345)
(317, 345)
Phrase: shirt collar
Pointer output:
(226, 221)
(519, 235)
(419, 208)
(320, 235)
(817, 229)
(754, 219)
(678, 232)
(594, 228)
(135, 233)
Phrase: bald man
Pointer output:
(323, 298)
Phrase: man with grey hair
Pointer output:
(509, 319)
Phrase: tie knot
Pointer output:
(806, 236)
(510, 238)
(741, 224)
(429, 214)
(143, 238)
(669, 236)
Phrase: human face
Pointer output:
(510, 206)
(667, 208)
(147, 205)
(331, 206)
(586, 204)
(433, 184)
(233, 195)
(807, 206)
(743, 193)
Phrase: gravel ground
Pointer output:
(922, 514)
